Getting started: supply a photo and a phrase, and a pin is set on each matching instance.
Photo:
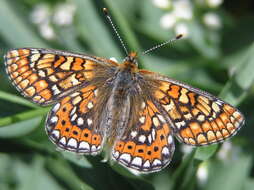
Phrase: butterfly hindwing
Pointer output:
(198, 118)
(71, 124)
(148, 146)
(45, 75)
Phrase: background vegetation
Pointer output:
(217, 55)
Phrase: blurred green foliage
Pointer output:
(219, 60)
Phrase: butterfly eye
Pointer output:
(131, 59)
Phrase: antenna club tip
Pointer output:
(179, 36)
(105, 11)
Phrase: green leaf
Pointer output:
(32, 175)
(20, 128)
(242, 80)
(183, 172)
(14, 29)
(204, 153)
(62, 170)
(198, 39)
(150, 23)
(16, 99)
(68, 37)
(123, 25)
(230, 174)
(94, 31)
(79, 160)
(249, 184)
(22, 116)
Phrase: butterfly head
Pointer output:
(130, 62)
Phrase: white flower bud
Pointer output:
(212, 20)
(182, 28)
(163, 4)
(167, 21)
(214, 3)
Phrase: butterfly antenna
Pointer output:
(105, 11)
(163, 44)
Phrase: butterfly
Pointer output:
(135, 112)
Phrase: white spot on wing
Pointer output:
(134, 134)
(143, 105)
(168, 107)
(54, 119)
(73, 110)
(32, 64)
(55, 90)
(96, 92)
(180, 124)
(113, 59)
(34, 51)
(161, 118)
(116, 154)
(156, 121)
(202, 117)
(63, 141)
(80, 121)
(156, 162)
(90, 105)
(99, 147)
(56, 107)
(125, 157)
(153, 134)
(165, 151)
(55, 134)
(74, 117)
(237, 124)
(170, 139)
(142, 119)
(150, 139)
(84, 145)
(93, 148)
(72, 143)
(89, 121)
(41, 73)
(147, 164)
(137, 161)
(142, 138)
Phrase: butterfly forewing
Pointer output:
(148, 146)
(45, 76)
(198, 118)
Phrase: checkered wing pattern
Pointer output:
(45, 76)
(198, 118)
(148, 146)
(73, 124)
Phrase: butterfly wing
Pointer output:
(45, 75)
(148, 146)
(198, 118)
(73, 124)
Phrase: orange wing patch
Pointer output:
(43, 75)
(149, 146)
(198, 117)
(71, 126)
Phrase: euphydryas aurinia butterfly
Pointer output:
(136, 112)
